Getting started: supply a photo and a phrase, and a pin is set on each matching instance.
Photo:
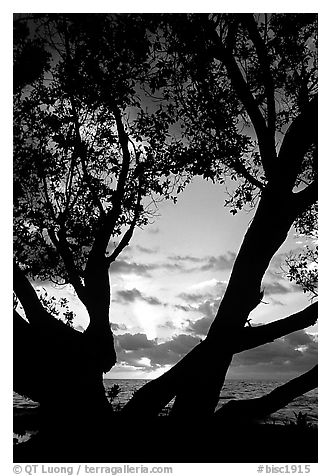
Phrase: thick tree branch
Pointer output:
(257, 408)
(25, 292)
(129, 233)
(307, 197)
(152, 397)
(239, 167)
(300, 136)
(264, 136)
(264, 59)
(61, 244)
(107, 226)
(273, 219)
(80, 151)
(251, 337)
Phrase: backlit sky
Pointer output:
(167, 284)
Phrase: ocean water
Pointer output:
(232, 389)
(235, 390)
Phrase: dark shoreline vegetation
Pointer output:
(163, 440)
(114, 114)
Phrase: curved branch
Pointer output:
(251, 337)
(64, 250)
(257, 408)
(302, 133)
(239, 167)
(307, 197)
(25, 292)
(152, 397)
(128, 234)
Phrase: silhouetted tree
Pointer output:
(90, 161)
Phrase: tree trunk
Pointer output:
(206, 368)
(60, 367)
(54, 365)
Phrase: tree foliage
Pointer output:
(78, 157)
(119, 111)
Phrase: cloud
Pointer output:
(193, 297)
(131, 349)
(186, 258)
(118, 327)
(125, 267)
(149, 251)
(201, 326)
(181, 307)
(278, 288)
(131, 295)
(219, 263)
(175, 267)
(153, 230)
(294, 352)
(206, 263)
(134, 341)
(204, 291)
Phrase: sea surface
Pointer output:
(232, 389)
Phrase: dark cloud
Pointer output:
(209, 307)
(201, 326)
(277, 288)
(118, 327)
(130, 295)
(153, 301)
(283, 355)
(134, 341)
(219, 263)
(149, 251)
(132, 348)
(300, 338)
(175, 267)
(206, 263)
(124, 267)
(186, 258)
(180, 307)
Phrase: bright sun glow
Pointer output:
(147, 318)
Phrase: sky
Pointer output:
(167, 285)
